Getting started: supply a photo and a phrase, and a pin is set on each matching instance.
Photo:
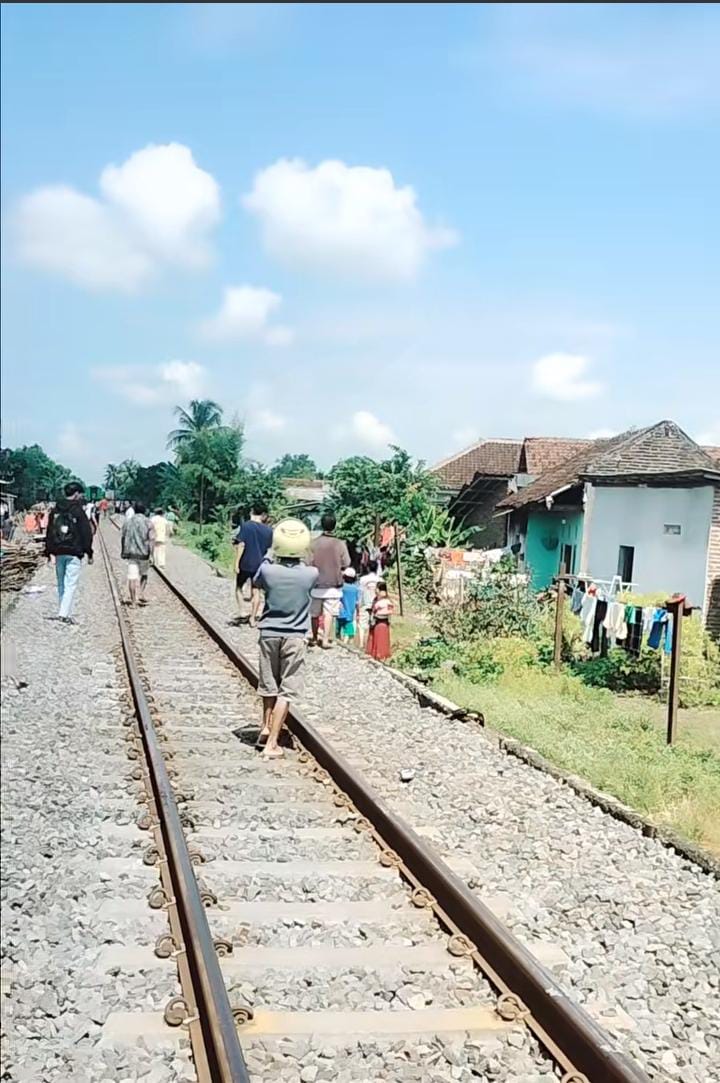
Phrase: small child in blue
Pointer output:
(347, 621)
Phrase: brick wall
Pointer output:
(478, 510)
(712, 589)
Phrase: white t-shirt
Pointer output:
(160, 525)
(367, 586)
(130, 512)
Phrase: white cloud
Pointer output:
(560, 376)
(69, 234)
(351, 219)
(646, 60)
(71, 441)
(154, 385)
(370, 431)
(157, 210)
(244, 315)
(266, 421)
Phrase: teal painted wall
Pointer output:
(556, 529)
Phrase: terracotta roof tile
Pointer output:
(491, 458)
(658, 450)
(541, 453)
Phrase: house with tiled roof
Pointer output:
(475, 480)
(644, 505)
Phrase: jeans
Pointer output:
(67, 570)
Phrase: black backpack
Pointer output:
(65, 530)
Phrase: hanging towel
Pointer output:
(599, 636)
(658, 629)
(615, 621)
(576, 600)
(634, 621)
(669, 634)
(648, 617)
(587, 616)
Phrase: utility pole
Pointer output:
(677, 608)
(559, 610)
(399, 571)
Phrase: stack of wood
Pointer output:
(18, 561)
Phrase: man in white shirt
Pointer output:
(129, 511)
(161, 528)
(368, 583)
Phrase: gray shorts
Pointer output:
(282, 665)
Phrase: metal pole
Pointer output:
(676, 607)
(559, 608)
(399, 571)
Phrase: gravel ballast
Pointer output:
(67, 806)
(639, 924)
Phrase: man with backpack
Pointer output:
(68, 538)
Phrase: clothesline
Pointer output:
(606, 621)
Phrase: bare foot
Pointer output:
(273, 753)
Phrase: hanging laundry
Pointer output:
(615, 621)
(598, 640)
(587, 616)
(576, 600)
(669, 634)
(661, 623)
(634, 622)
(648, 619)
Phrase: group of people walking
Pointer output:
(309, 591)
(340, 603)
(300, 592)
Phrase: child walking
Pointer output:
(378, 644)
(349, 614)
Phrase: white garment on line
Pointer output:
(587, 616)
(615, 621)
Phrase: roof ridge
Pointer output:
(476, 444)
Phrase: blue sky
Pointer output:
(351, 224)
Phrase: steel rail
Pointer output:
(564, 1028)
(221, 1050)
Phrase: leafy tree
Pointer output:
(32, 475)
(207, 462)
(254, 482)
(120, 478)
(295, 466)
(201, 416)
(363, 491)
(112, 477)
(148, 484)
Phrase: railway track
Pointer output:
(313, 932)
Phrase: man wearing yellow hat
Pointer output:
(284, 625)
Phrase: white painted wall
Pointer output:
(634, 515)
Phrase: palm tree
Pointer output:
(203, 414)
(112, 476)
(192, 443)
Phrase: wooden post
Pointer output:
(676, 606)
(559, 610)
(399, 571)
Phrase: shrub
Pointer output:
(621, 671)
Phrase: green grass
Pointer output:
(223, 555)
(617, 746)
